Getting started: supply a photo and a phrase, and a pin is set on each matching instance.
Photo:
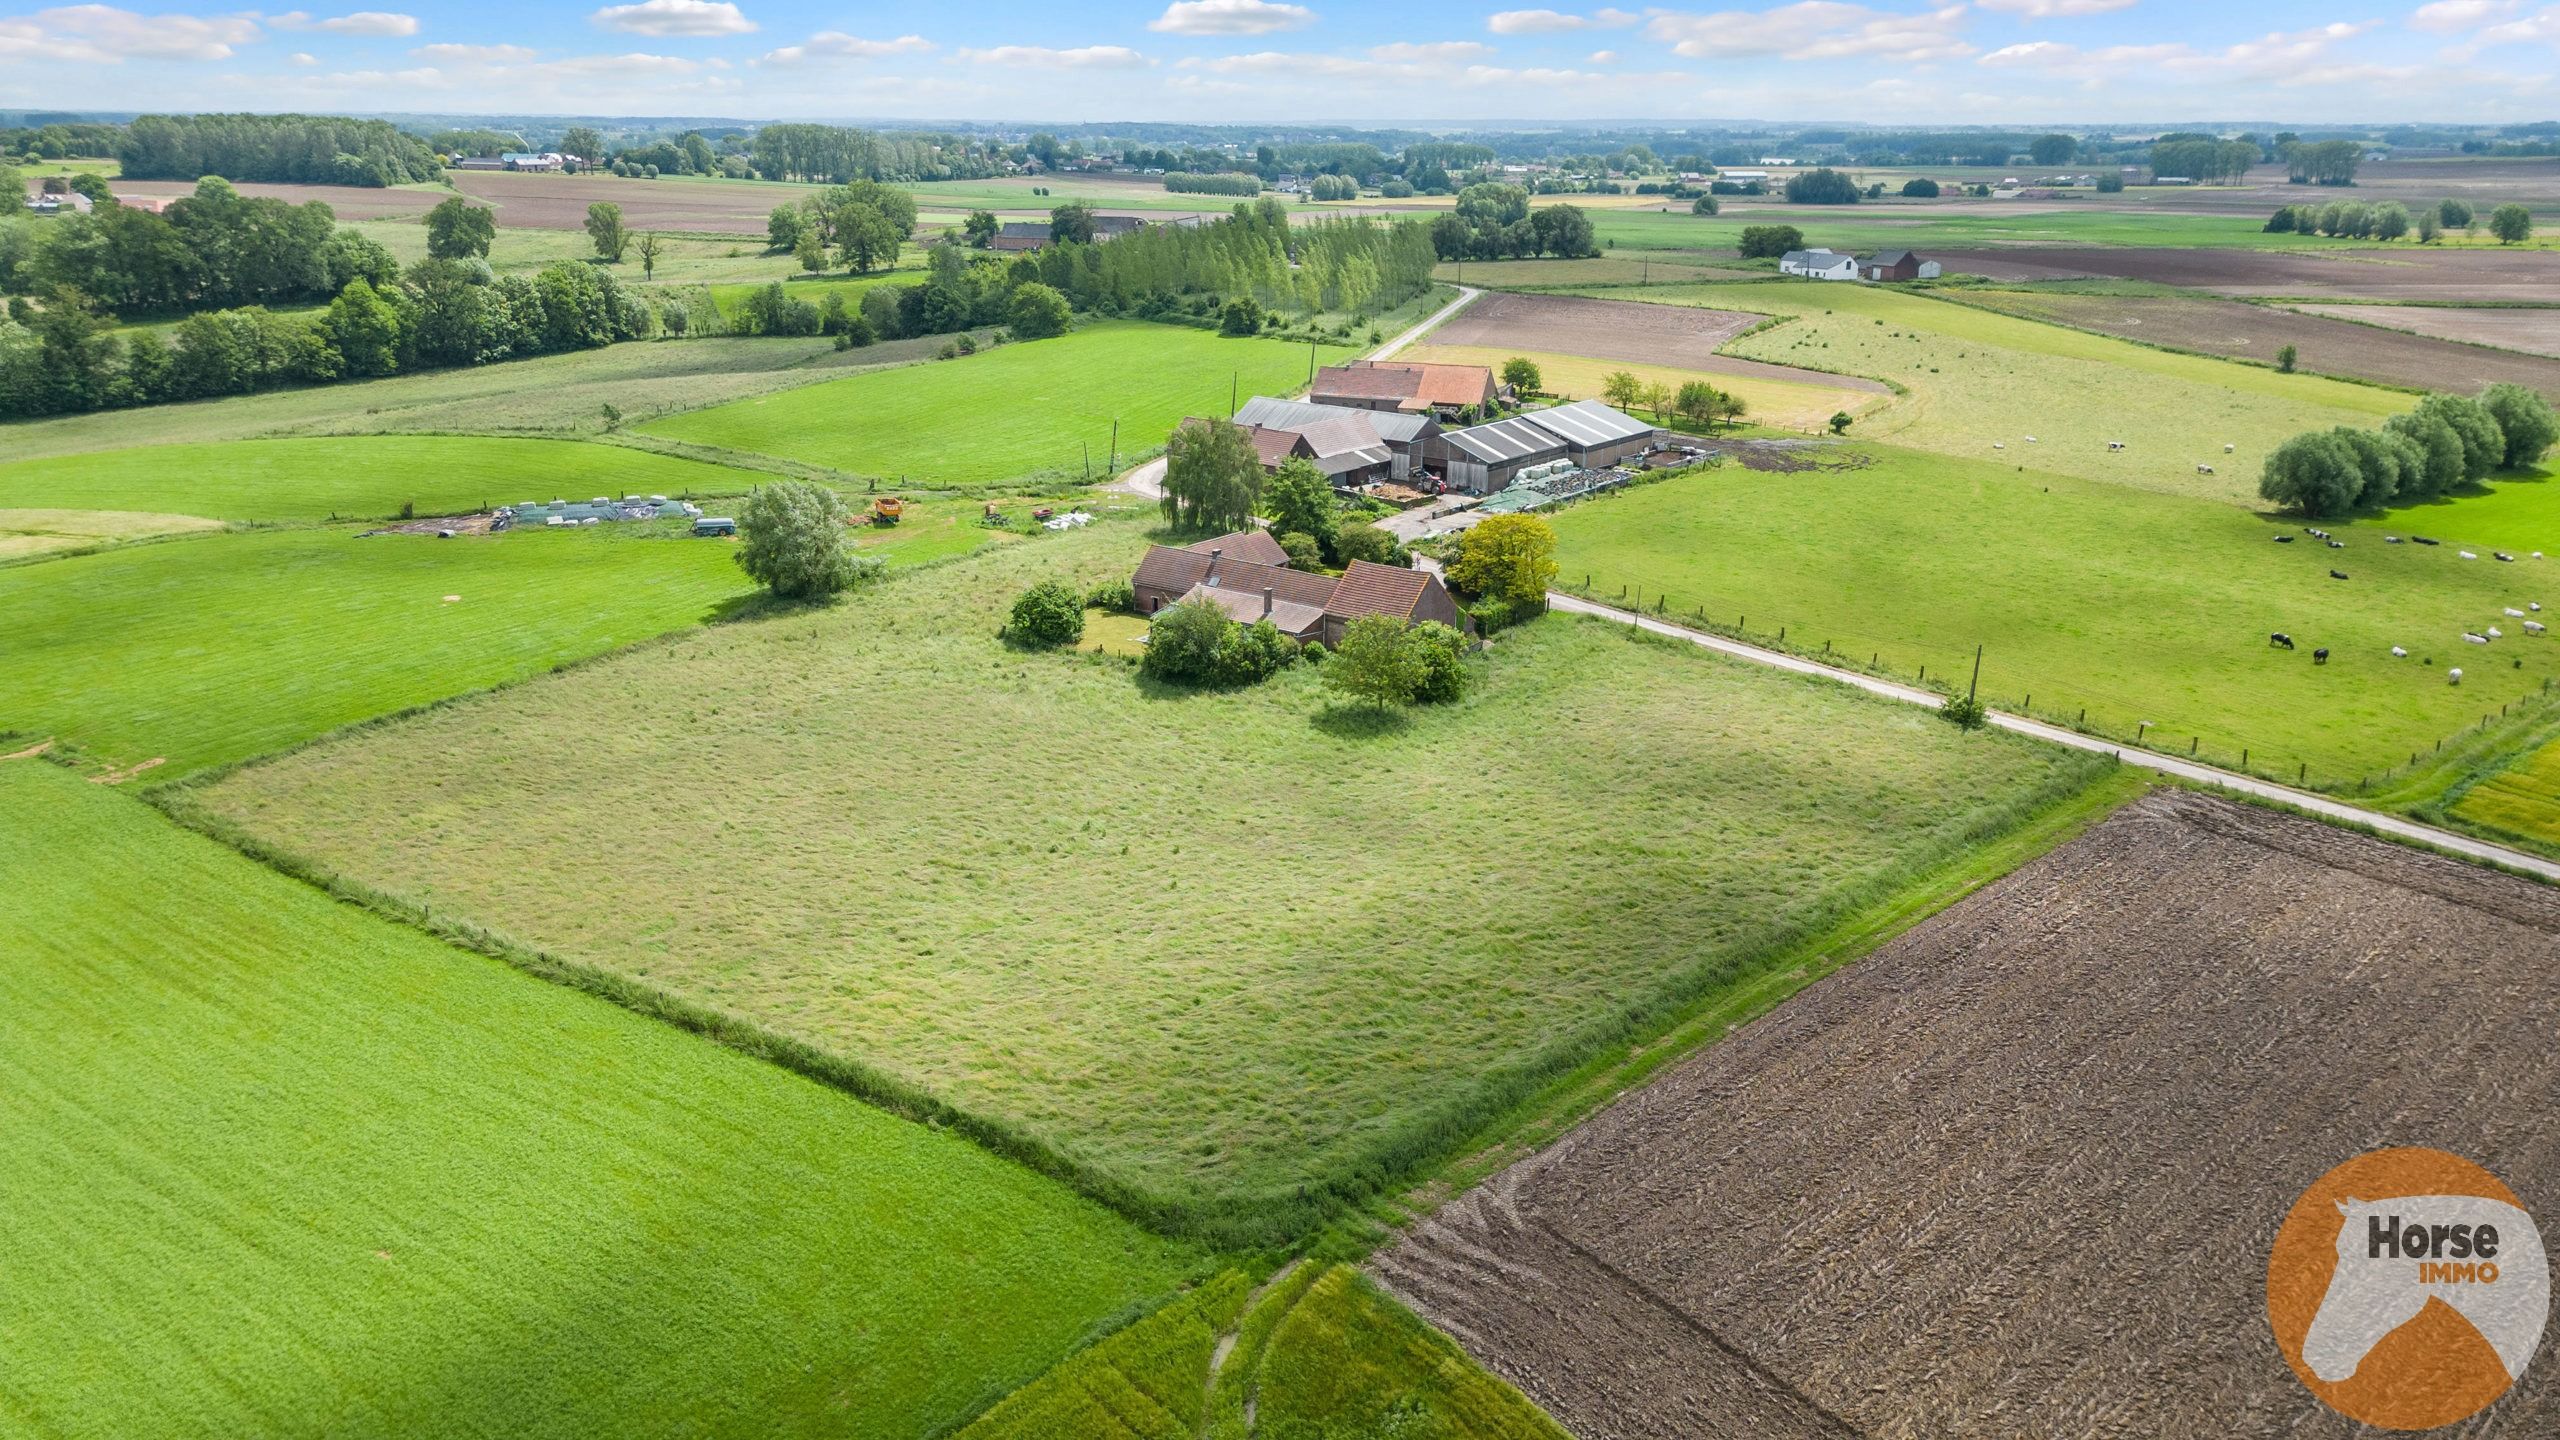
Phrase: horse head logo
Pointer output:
(2480, 1256)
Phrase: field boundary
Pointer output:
(2318, 806)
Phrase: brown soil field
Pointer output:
(2486, 184)
(2324, 346)
(559, 202)
(2512, 329)
(2407, 273)
(1627, 330)
(349, 202)
(2017, 1173)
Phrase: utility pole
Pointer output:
(1976, 681)
(1115, 447)
(1311, 360)
(1233, 377)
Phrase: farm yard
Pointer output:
(1968, 1243)
(1977, 380)
(1027, 409)
(2534, 331)
(2149, 612)
(1324, 1037)
(280, 1166)
(2323, 345)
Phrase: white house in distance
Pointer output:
(1819, 264)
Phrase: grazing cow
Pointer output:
(2337, 544)
(2320, 656)
(2399, 654)
(2284, 539)
(2280, 640)
(2423, 540)
(2204, 469)
(2535, 605)
(2337, 574)
(2390, 539)
(2115, 444)
(2503, 555)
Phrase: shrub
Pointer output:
(1491, 613)
(1303, 551)
(1964, 712)
(2110, 184)
(1704, 205)
(2316, 473)
(1112, 595)
(1920, 189)
(1510, 556)
(791, 541)
(2285, 358)
(1822, 187)
(1374, 664)
(1250, 654)
(1767, 242)
(1368, 542)
(1183, 642)
(1439, 660)
(1046, 616)
(1037, 312)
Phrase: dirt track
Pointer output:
(2405, 273)
(2016, 1174)
(1676, 336)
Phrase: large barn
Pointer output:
(1410, 439)
(1486, 458)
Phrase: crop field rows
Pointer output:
(2014, 1093)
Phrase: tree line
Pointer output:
(2389, 220)
(447, 310)
(1492, 221)
(837, 154)
(274, 149)
(2447, 442)
(215, 248)
(1190, 182)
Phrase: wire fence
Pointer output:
(2259, 762)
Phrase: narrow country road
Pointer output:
(1147, 480)
(2183, 769)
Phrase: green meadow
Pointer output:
(1197, 947)
(1976, 379)
(365, 478)
(1032, 408)
(2520, 803)
(202, 652)
(2134, 606)
(275, 1166)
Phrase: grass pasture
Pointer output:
(2521, 802)
(276, 1166)
(25, 534)
(1158, 933)
(201, 652)
(1018, 410)
(2138, 607)
(359, 478)
(1976, 379)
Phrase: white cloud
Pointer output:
(2542, 27)
(1230, 17)
(2282, 57)
(105, 35)
(474, 54)
(1551, 22)
(837, 45)
(362, 22)
(638, 65)
(1432, 50)
(675, 17)
(303, 57)
(2049, 9)
(1816, 30)
(2446, 17)
(1041, 57)
(1604, 57)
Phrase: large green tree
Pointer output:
(2525, 418)
(365, 330)
(1509, 557)
(2512, 224)
(1373, 664)
(1212, 477)
(2315, 473)
(605, 228)
(457, 229)
(791, 540)
(1298, 500)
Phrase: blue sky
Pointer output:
(1963, 62)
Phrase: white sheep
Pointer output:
(1996, 445)
(2475, 639)
(2399, 654)
(2227, 449)
(2031, 439)
(2514, 614)
(2454, 675)
(2534, 605)
(2533, 627)
(2497, 634)
(2467, 555)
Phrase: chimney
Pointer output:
(1212, 577)
(1266, 602)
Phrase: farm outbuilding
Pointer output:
(1819, 265)
(1486, 458)
(1890, 265)
(1595, 436)
(1410, 439)
(1403, 386)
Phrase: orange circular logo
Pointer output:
(2408, 1289)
